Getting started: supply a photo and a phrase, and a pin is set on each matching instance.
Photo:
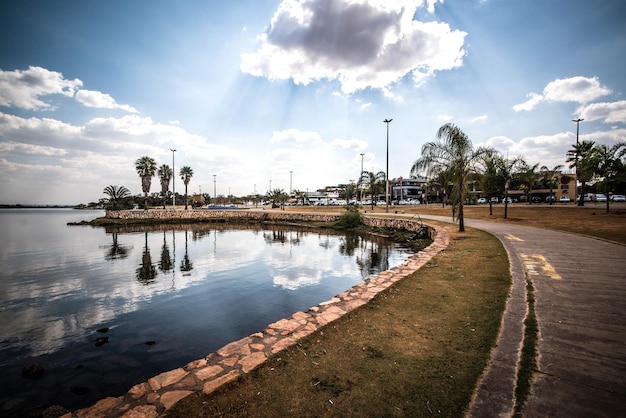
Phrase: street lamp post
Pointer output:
(580, 196)
(387, 121)
(173, 180)
(290, 178)
(360, 177)
(215, 187)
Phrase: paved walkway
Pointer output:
(580, 303)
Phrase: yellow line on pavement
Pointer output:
(513, 238)
(537, 264)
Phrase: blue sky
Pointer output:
(249, 91)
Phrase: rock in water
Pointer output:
(32, 371)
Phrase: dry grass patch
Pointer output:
(417, 349)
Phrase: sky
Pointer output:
(292, 94)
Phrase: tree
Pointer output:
(608, 163)
(165, 175)
(454, 152)
(349, 192)
(528, 176)
(277, 197)
(373, 182)
(146, 168)
(580, 158)
(186, 173)
(550, 176)
(116, 193)
(299, 195)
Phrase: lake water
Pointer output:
(168, 295)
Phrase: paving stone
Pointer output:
(237, 347)
(100, 409)
(211, 385)
(209, 372)
(248, 363)
(168, 399)
(167, 378)
(138, 391)
(142, 411)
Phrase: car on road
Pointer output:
(618, 198)
(564, 199)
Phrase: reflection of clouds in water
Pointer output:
(293, 280)
(70, 289)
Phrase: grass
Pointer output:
(419, 347)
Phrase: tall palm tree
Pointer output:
(146, 168)
(452, 151)
(116, 193)
(608, 163)
(186, 173)
(165, 175)
(580, 158)
(373, 182)
(550, 175)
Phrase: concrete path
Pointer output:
(580, 303)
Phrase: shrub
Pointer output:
(351, 218)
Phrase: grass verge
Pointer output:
(528, 359)
(417, 349)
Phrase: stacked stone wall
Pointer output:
(410, 224)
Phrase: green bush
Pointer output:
(351, 218)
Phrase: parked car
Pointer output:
(600, 198)
(618, 198)
(535, 199)
(564, 199)
(482, 200)
(494, 200)
(551, 199)
(507, 200)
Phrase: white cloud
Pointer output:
(25, 89)
(361, 44)
(294, 136)
(530, 104)
(614, 112)
(90, 98)
(574, 89)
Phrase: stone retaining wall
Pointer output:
(409, 224)
(152, 398)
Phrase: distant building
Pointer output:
(409, 189)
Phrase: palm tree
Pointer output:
(608, 163)
(528, 175)
(146, 168)
(550, 175)
(116, 193)
(508, 170)
(579, 158)
(373, 182)
(453, 152)
(186, 173)
(165, 175)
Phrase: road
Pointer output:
(579, 285)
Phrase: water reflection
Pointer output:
(147, 271)
(224, 283)
(116, 250)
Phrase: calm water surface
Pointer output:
(168, 296)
